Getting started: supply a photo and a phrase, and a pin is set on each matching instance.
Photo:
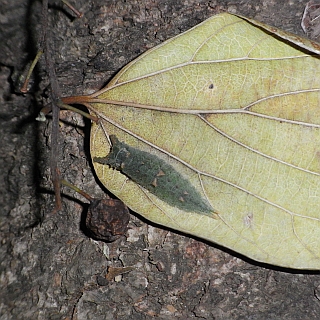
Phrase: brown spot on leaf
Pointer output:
(160, 174)
(154, 182)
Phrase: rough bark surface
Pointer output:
(50, 268)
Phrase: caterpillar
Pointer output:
(155, 175)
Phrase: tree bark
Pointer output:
(50, 268)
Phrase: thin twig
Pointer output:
(24, 88)
(54, 95)
(78, 13)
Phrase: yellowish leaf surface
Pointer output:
(235, 109)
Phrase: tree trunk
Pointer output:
(50, 268)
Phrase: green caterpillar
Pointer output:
(155, 175)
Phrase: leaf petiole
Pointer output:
(24, 88)
(73, 187)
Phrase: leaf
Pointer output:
(233, 106)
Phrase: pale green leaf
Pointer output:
(235, 109)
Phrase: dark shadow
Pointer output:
(231, 252)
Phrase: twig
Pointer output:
(54, 95)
